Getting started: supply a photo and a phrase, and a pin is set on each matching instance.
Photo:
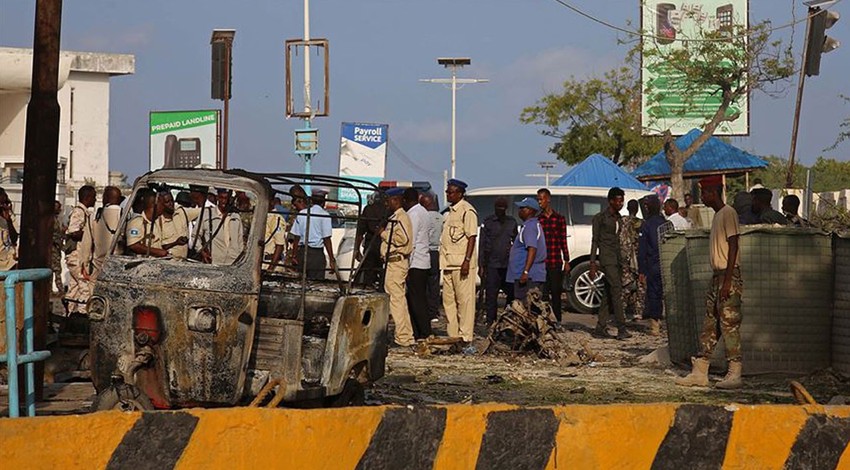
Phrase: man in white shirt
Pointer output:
(219, 232)
(671, 210)
(420, 264)
(312, 242)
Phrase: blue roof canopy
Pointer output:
(714, 157)
(598, 171)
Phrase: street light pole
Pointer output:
(454, 63)
(454, 119)
(308, 106)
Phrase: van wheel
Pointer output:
(585, 294)
(353, 394)
(124, 397)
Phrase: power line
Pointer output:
(652, 36)
(396, 150)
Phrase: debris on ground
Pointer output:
(530, 326)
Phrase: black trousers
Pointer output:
(371, 268)
(435, 298)
(495, 281)
(417, 303)
(315, 260)
(553, 288)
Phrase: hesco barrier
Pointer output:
(663, 436)
(787, 302)
(681, 321)
(841, 306)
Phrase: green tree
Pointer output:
(845, 128)
(599, 115)
(728, 64)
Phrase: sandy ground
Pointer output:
(615, 375)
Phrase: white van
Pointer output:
(578, 205)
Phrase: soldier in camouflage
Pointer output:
(58, 243)
(723, 300)
(634, 291)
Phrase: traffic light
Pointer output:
(818, 42)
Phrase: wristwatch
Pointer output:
(525, 271)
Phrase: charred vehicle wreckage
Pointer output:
(208, 328)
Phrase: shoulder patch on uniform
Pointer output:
(134, 232)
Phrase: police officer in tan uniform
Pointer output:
(8, 234)
(459, 261)
(79, 254)
(396, 246)
(173, 226)
(143, 234)
(105, 225)
(275, 241)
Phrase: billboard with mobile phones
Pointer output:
(362, 154)
(184, 139)
(668, 25)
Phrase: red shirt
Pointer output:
(555, 231)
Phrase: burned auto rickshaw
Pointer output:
(203, 321)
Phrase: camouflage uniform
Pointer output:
(727, 315)
(56, 252)
(634, 292)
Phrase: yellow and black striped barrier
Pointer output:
(662, 436)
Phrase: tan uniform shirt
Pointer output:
(397, 237)
(461, 222)
(8, 253)
(139, 228)
(172, 229)
(81, 219)
(104, 230)
(724, 225)
(221, 234)
(275, 233)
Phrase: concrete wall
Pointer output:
(489, 436)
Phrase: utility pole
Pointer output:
(41, 150)
(307, 138)
(454, 63)
(817, 43)
(308, 106)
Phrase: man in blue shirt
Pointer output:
(649, 264)
(527, 262)
(316, 239)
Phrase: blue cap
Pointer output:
(458, 183)
(529, 202)
(395, 192)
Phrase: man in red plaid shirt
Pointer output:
(557, 254)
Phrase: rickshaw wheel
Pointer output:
(353, 394)
(123, 397)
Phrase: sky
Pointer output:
(379, 49)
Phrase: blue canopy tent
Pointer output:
(715, 157)
(598, 171)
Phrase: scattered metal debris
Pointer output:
(530, 327)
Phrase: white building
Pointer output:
(84, 117)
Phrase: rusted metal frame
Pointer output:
(358, 186)
(293, 44)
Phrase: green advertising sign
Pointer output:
(667, 26)
(184, 139)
